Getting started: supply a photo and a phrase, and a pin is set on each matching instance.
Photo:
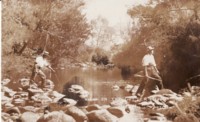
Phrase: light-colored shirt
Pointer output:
(148, 60)
(41, 62)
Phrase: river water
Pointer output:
(98, 82)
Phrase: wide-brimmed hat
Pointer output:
(45, 53)
(150, 48)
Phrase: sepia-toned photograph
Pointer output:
(100, 60)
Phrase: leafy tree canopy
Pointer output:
(57, 26)
(173, 28)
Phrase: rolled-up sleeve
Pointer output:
(145, 61)
(148, 60)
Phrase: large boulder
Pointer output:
(5, 117)
(131, 118)
(118, 102)
(101, 116)
(131, 99)
(79, 90)
(19, 102)
(69, 102)
(165, 91)
(56, 96)
(5, 81)
(13, 109)
(24, 83)
(161, 99)
(128, 88)
(135, 114)
(41, 99)
(56, 116)
(20, 98)
(148, 104)
(158, 100)
(117, 111)
(22, 95)
(196, 90)
(30, 109)
(157, 97)
(169, 94)
(33, 90)
(78, 93)
(7, 91)
(157, 117)
(115, 87)
(14, 113)
(74, 90)
(57, 107)
(105, 106)
(48, 85)
(5, 100)
(7, 106)
(29, 117)
(75, 80)
(76, 113)
(93, 107)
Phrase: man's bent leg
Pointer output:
(159, 82)
(33, 75)
(35, 71)
(43, 77)
(141, 87)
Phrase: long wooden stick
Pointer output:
(46, 42)
(188, 83)
(192, 77)
(148, 77)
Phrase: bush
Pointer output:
(14, 66)
(100, 59)
(188, 106)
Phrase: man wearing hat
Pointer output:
(151, 73)
(41, 63)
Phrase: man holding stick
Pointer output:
(151, 73)
(40, 64)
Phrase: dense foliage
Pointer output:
(173, 28)
(34, 25)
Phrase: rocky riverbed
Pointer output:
(31, 103)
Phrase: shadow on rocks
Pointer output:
(73, 89)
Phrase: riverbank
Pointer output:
(47, 104)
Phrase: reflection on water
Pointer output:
(98, 82)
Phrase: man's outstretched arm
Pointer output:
(51, 68)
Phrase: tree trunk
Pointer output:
(23, 48)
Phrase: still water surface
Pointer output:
(98, 82)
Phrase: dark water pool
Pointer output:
(98, 82)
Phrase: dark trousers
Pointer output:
(38, 71)
(149, 84)
(154, 74)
